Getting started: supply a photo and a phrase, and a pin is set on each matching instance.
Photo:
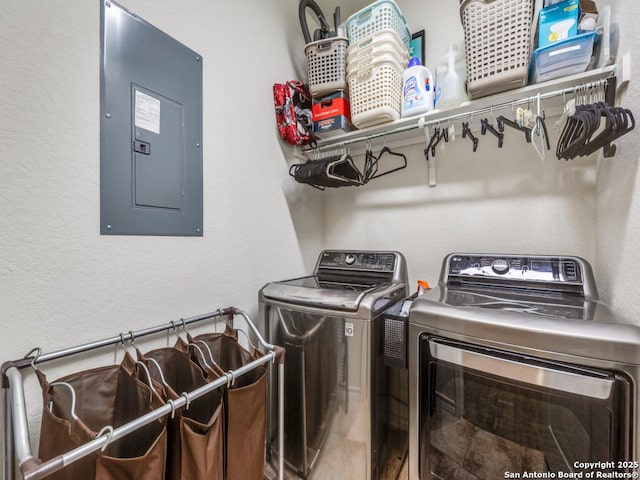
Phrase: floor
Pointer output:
(467, 447)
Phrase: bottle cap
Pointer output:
(413, 61)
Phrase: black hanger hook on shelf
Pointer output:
(466, 132)
(485, 125)
(372, 162)
(502, 121)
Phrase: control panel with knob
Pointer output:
(500, 266)
(385, 262)
(513, 268)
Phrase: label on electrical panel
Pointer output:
(147, 112)
(348, 329)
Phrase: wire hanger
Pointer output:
(155, 363)
(36, 352)
(206, 347)
(540, 131)
(72, 411)
(371, 171)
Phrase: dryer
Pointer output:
(516, 367)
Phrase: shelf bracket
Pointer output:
(431, 161)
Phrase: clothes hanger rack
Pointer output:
(17, 445)
(531, 94)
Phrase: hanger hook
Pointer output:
(38, 352)
(133, 342)
(231, 378)
(175, 328)
(187, 400)
(122, 344)
(108, 430)
(173, 407)
(184, 326)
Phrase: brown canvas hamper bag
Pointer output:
(195, 434)
(77, 406)
(245, 406)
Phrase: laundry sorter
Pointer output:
(169, 411)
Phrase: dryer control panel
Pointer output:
(553, 273)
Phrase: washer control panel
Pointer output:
(383, 262)
(509, 268)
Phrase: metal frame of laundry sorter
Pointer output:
(17, 445)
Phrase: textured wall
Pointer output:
(61, 283)
(619, 188)
(495, 200)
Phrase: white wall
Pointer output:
(61, 282)
(496, 200)
(619, 189)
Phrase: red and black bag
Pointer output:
(292, 102)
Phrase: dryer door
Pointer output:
(490, 414)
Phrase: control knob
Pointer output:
(500, 266)
(350, 259)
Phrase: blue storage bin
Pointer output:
(563, 58)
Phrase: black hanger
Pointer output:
(485, 125)
(433, 141)
(371, 163)
(619, 121)
(466, 132)
(333, 171)
(440, 134)
(502, 121)
(541, 130)
(576, 132)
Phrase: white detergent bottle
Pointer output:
(417, 89)
(451, 78)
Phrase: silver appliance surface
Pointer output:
(540, 309)
(342, 280)
(537, 302)
(328, 323)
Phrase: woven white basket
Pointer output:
(326, 65)
(383, 42)
(497, 35)
(378, 16)
(375, 93)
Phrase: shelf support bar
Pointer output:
(431, 162)
(531, 95)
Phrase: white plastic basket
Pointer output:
(367, 61)
(376, 93)
(380, 43)
(326, 65)
(379, 15)
(497, 35)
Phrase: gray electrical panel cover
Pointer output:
(150, 130)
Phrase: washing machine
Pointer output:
(330, 325)
(516, 367)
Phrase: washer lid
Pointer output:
(310, 291)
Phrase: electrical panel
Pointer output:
(150, 129)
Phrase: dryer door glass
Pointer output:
(488, 414)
